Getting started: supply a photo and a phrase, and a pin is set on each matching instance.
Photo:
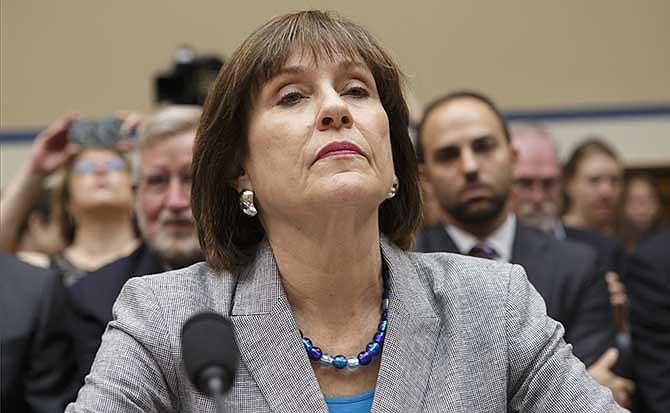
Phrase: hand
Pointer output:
(51, 149)
(618, 300)
(601, 371)
(131, 121)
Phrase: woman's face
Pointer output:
(595, 189)
(642, 206)
(318, 136)
(99, 178)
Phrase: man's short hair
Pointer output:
(448, 98)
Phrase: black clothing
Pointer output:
(37, 354)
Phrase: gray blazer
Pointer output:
(464, 335)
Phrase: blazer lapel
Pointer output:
(411, 338)
(263, 320)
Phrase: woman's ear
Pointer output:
(242, 182)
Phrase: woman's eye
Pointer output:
(358, 92)
(290, 99)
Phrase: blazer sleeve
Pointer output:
(544, 374)
(134, 363)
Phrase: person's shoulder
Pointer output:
(567, 251)
(594, 238)
(447, 272)
(29, 279)
(656, 247)
(199, 276)
(173, 296)
(427, 237)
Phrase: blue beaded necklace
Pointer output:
(373, 349)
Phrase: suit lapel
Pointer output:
(411, 338)
(263, 320)
(441, 241)
(528, 251)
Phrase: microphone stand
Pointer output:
(214, 383)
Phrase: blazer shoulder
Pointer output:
(186, 290)
(469, 277)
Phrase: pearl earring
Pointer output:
(247, 203)
(394, 188)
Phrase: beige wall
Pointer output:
(96, 57)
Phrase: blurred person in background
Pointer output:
(537, 179)
(468, 159)
(536, 197)
(163, 185)
(649, 289)
(95, 178)
(95, 197)
(593, 184)
(431, 210)
(641, 212)
(37, 353)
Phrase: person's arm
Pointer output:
(590, 328)
(134, 364)
(50, 151)
(48, 377)
(544, 374)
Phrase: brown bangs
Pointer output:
(323, 39)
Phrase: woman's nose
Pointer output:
(334, 113)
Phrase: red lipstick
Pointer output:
(338, 149)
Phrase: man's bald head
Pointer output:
(537, 174)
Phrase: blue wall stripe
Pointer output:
(661, 110)
(11, 136)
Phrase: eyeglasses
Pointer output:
(159, 183)
(88, 166)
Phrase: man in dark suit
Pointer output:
(649, 292)
(467, 160)
(37, 355)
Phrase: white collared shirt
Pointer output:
(501, 240)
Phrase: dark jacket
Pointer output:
(649, 294)
(37, 354)
(566, 276)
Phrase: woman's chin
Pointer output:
(352, 193)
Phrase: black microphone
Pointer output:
(210, 354)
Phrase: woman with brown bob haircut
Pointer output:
(305, 195)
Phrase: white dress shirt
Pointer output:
(501, 240)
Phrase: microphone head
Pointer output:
(210, 351)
